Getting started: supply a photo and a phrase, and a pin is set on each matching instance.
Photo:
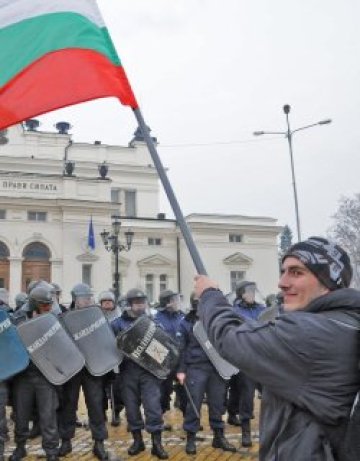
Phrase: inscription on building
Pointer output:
(29, 186)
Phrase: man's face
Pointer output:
(174, 304)
(298, 285)
(249, 294)
(107, 305)
(138, 306)
(84, 301)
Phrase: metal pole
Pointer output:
(116, 284)
(171, 196)
(289, 138)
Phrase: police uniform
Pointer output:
(138, 386)
(29, 387)
(201, 378)
(3, 423)
(93, 388)
(170, 322)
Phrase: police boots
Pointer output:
(65, 447)
(246, 433)
(19, 453)
(99, 450)
(219, 441)
(190, 443)
(138, 444)
(157, 448)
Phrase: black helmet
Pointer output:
(165, 297)
(40, 295)
(135, 293)
(240, 287)
(194, 301)
(20, 300)
(80, 290)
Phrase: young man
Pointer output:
(307, 359)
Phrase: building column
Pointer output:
(15, 277)
(57, 271)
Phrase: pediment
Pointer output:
(156, 261)
(238, 259)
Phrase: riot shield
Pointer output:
(149, 346)
(224, 368)
(269, 314)
(51, 348)
(94, 337)
(13, 354)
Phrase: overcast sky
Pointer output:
(207, 73)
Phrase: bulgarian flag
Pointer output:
(55, 53)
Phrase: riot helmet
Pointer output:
(32, 285)
(137, 301)
(82, 296)
(106, 300)
(40, 299)
(245, 290)
(170, 300)
(20, 300)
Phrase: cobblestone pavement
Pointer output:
(174, 442)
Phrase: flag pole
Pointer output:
(170, 194)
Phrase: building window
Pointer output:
(163, 282)
(37, 216)
(2, 214)
(149, 287)
(126, 199)
(115, 196)
(130, 203)
(86, 274)
(235, 278)
(154, 241)
(4, 252)
(36, 252)
(235, 238)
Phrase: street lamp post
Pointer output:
(112, 243)
(288, 135)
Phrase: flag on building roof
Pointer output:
(55, 53)
(91, 235)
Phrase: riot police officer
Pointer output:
(242, 388)
(58, 291)
(168, 318)
(20, 300)
(139, 386)
(200, 376)
(30, 387)
(92, 386)
(107, 303)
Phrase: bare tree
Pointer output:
(346, 231)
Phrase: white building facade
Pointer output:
(45, 211)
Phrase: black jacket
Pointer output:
(306, 360)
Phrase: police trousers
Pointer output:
(28, 387)
(201, 379)
(94, 392)
(138, 386)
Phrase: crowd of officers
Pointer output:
(53, 409)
